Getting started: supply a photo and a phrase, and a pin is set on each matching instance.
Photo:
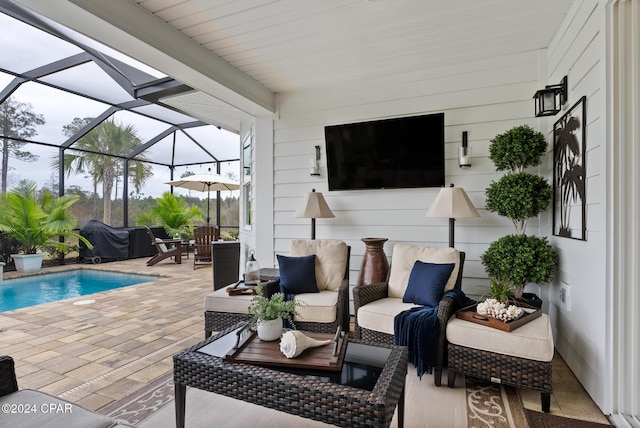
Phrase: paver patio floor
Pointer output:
(97, 353)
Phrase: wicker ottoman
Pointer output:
(521, 358)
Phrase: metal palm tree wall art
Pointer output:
(569, 173)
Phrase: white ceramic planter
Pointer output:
(28, 262)
(270, 330)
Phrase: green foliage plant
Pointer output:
(263, 308)
(517, 149)
(36, 222)
(174, 215)
(519, 260)
(230, 235)
(519, 195)
(499, 290)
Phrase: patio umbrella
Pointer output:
(205, 183)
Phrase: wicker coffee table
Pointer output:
(294, 392)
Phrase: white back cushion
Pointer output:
(331, 259)
(162, 246)
(405, 256)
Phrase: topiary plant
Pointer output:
(519, 260)
(519, 195)
(517, 149)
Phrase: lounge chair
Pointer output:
(203, 236)
(45, 410)
(166, 248)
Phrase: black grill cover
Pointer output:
(108, 242)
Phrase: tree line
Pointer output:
(18, 124)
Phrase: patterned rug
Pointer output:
(488, 405)
(143, 403)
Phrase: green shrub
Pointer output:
(519, 196)
(518, 148)
(519, 260)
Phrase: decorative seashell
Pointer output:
(294, 342)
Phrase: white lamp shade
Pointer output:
(452, 202)
(314, 206)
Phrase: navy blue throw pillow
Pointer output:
(426, 283)
(297, 274)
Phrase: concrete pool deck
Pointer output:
(97, 353)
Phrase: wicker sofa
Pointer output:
(320, 312)
(376, 305)
(34, 409)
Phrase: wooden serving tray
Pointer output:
(469, 314)
(259, 352)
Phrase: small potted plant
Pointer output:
(35, 222)
(269, 312)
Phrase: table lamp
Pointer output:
(452, 202)
(314, 206)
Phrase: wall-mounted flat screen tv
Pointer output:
(386, 154)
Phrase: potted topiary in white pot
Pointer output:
(519, 259)
(35, 222)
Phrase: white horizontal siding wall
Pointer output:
(580, 333)
(483, 98)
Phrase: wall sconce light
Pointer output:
(549, 101)
(464, 152)
(314, 164)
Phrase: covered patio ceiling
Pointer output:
(237, 55)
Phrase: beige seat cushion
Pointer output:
(405, 256)
(220, 301)
(331, 260)
(379, 314)
(46, 411)
(317, 307)
(533, 341)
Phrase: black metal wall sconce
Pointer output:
(314, 164)
(549, 101)
(464, 152)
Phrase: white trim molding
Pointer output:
(623, 216)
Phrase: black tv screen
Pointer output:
(386, 154)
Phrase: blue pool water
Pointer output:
(33, 290)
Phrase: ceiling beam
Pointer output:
(128, 28)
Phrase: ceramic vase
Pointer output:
(375, 266)
(270, 330)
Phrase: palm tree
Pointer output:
(107, 140)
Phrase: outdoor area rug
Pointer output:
(487, 405)
(141, 404)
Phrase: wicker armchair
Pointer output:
(223, 311)
(367, 294)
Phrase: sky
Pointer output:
(24, 48)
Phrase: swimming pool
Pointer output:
(50, 287)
